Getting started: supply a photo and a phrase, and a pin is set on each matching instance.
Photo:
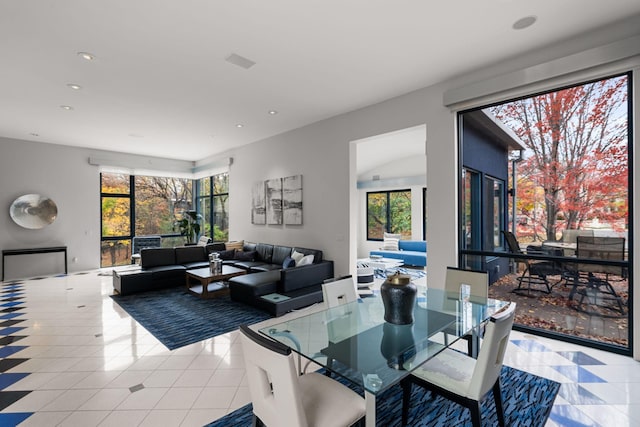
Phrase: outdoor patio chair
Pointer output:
(593, 281)
(571, 236)
(535, 275)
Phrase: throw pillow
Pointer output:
(225, 255)
(297, 256)
(288, 262)
(390, 242)
(306, 260)
(234, 245)
(245, 256)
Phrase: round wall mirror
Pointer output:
(33, 211)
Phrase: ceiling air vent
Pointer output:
(240, 61)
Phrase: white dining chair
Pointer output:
(463, 379)
(340, 291)
(283, 397)
(478, 282)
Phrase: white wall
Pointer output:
(64, 175)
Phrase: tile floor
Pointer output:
(70, 356)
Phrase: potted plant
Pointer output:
(189, 225)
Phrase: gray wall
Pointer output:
(64, 175)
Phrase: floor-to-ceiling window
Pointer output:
(116, 218)
(213, 205)
(568, 200)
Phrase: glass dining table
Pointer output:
(353, 340)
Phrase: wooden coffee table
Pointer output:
(211, 285)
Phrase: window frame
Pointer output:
(387, 227)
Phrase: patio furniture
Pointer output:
(592, 281)
(465, 380)
(571, 236)
(535, 273)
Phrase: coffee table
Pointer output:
(211, 285)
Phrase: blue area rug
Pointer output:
(177, 318)
(527, 399)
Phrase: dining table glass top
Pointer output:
(354, 341)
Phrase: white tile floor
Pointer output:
(86, 356)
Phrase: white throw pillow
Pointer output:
(306, 260)
(391, 242)
(297, 256)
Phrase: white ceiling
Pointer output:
(160, 84)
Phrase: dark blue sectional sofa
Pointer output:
(411, 252)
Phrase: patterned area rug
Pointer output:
(415, 273)
(177, 318)
(527, 398)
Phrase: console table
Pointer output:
(30, 251)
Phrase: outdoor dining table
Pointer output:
(354, 342)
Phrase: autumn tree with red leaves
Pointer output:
(576, 141)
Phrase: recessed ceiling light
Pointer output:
(74, 86)
(273, 112)
(86, 55)
(66, 107)
(239, 125)
(525, 22)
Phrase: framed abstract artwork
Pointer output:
(258, 207)
(292, 199)
(273, 195)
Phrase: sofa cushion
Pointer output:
(226, 255)
(163, 272)
(297, 256)
(153, 257)
(306, 260)
(249, 287)
(196, 264)
(390, 242)
(249, 246)
(288, 262)
(265, 267)
(317, 254)
(234, 245)
(251, 265)
(245, 256)
(216, 247)
(190, 254)
(305, 276)
(280, 253)
(264, 253)
(413, 245)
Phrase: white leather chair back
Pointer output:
(342, 291)
(478, 281)
(273, 381)
(489, 362)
